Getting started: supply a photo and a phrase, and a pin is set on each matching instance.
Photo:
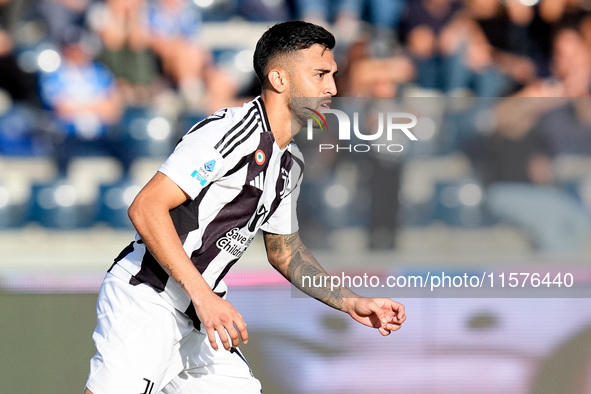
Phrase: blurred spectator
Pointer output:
(517, 158)
(570, 67)
(456, 47)
(385, 14)
(476, 46)
(522, 191)
(366, 75)
(19, 85)
(547, 15)
(521, 188)
(384, 177)
(505, 27)
(348, 14)
(423, 29)
(85, 99)
(564, 124)
(63, 18)
(126, 47)
(174, 27)
(344, 14)
(554, 11)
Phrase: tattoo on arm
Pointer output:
(289, 239)
(293, 259)
(307, 275)
(275, 246)
(170, 271)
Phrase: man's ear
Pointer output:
(278, 79)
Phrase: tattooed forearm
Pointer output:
(274, 246)
(309, 270)
(279, 246)
(293, 260)
(289, 239)
(307, 275)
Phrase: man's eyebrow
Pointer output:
(325, 70)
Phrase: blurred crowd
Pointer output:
(96, 58)
(100, 77)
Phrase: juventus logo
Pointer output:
(285, 177)
(149, 387)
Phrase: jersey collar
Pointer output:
(263, 112)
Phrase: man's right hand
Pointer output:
(150, 214)
(217, 314)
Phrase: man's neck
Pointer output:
(279, 117)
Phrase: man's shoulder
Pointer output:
(232, 131)
(226, 119)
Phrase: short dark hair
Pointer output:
(285, 38)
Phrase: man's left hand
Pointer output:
(382, 313)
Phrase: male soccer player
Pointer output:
(161, 310)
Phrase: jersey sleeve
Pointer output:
(284, 220)
(194, 164)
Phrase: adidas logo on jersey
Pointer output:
(259, 181)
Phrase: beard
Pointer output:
(299, 106)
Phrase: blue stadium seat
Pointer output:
(113, 201)
(18, 136)
(56, 205)
(143, 134)
(461, 204)
(417, 215)
(12, 214)
(237, 62)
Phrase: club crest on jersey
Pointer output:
(260, 157)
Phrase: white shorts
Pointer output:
(145, 346)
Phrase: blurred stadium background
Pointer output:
(94, 95)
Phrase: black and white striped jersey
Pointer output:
(238, 180)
